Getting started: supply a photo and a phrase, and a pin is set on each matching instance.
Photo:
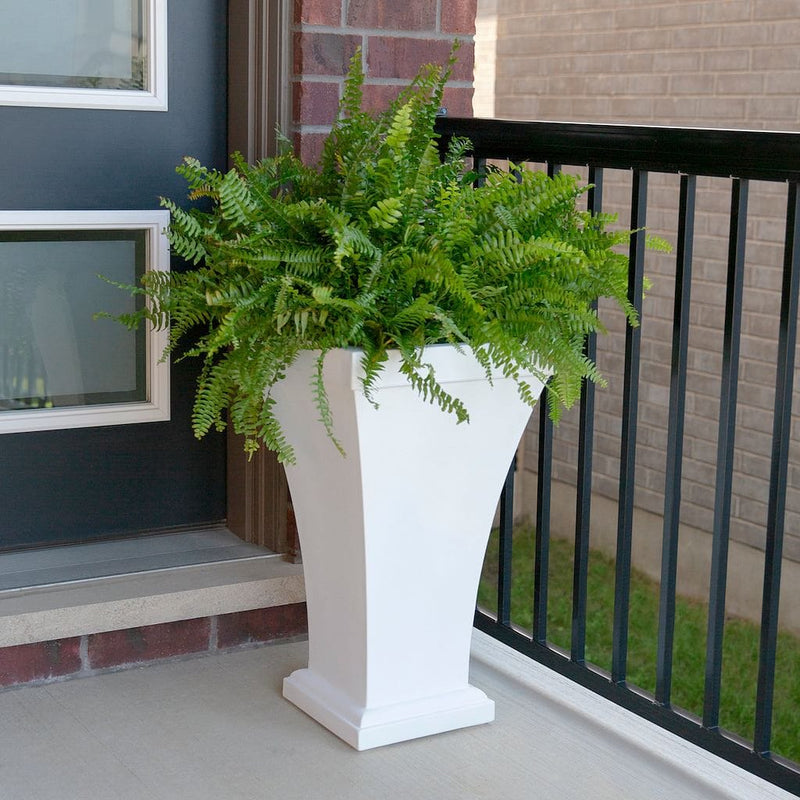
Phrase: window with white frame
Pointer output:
(60, 365)
(84, 53)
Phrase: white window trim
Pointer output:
(122, 99)
(157, 407)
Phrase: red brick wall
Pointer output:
(396, 37)
(86, 655)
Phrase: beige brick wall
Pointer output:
(716, 63)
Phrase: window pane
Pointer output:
(53, 353)
(90, 44)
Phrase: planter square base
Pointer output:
(365, 728)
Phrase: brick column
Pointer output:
(396, 37)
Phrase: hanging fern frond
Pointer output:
(321, 402)
(423, 379)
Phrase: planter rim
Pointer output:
(450, 364)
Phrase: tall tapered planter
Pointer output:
(393, 538)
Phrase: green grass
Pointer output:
(740, 647)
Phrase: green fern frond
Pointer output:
(321, 401)
(386, 213)
(350, 104)
(234, 199)
(399, 131)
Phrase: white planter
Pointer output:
(393, 538)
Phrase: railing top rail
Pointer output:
(759, 155)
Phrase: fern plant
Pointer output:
(385, 246)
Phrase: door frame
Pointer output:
(259, 103)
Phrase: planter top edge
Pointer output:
(450, 365)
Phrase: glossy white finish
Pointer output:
(393, 538)
(157, 406)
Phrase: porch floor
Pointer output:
(217, 728)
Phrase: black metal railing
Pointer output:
(740, 157)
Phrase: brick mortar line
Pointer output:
(302, 128)
(308, 78)
(703, 49)
(213, 633)
(642, 29)
(84, 654)
(304, 27)
(616, 10)
(368, 81)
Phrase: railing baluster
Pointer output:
(595, 193)
(630, 402)
(725, 446)
(782, 423)
(479, 165)
(583, 500)
(673, 467)
(542, 544)
(506, 546)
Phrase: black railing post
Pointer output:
(542, 544)
(630, 402)
(725, 444)
(506, 547)
(673, 468)
(782, 423)
(583, 498)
